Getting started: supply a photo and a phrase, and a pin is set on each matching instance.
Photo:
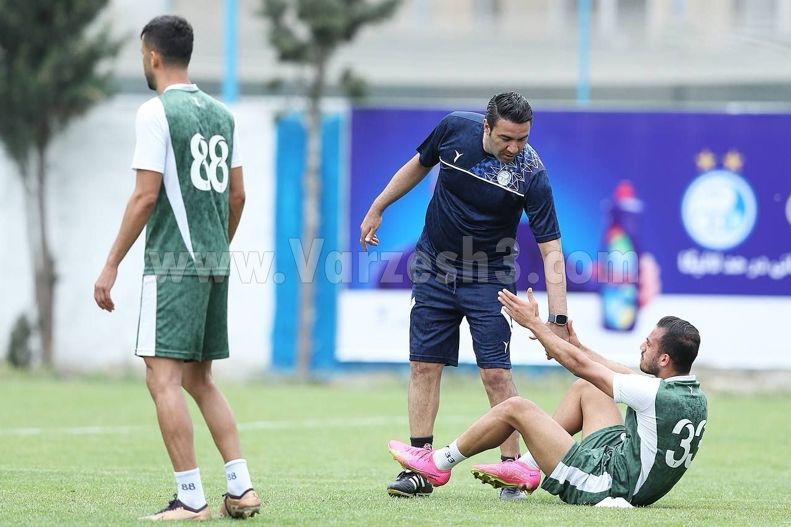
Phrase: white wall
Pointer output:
(90, 182)
(735, 331)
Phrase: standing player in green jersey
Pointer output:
(189, 194)
(617, 463)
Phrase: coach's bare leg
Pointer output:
(198, 382)
(499, 384)
(586, 408)
(547, 441)
(424, 383)
(163, 378)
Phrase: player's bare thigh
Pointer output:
(598, 409)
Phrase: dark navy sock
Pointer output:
(420, 442)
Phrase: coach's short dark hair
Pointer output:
(681, 341)
(171, 36)
(510, 106)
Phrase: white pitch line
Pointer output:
(356, 422)
(75, 430)
(353, 422)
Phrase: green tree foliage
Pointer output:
(308, 33)
(50, 58)
(19, 354)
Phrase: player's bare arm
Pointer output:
(402, 182)
(614, 366)
(526, 314)
(137, 212)
(555, 273)
(236, 199)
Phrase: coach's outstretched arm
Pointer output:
(525, 313)
(555, 273)
(402, 182)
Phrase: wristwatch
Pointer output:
(560, 320)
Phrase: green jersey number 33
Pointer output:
(687, 430)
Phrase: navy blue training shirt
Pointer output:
(480, 198)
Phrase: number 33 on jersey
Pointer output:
(688, 431)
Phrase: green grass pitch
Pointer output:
(88, 452)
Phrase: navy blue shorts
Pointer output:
(437, 310)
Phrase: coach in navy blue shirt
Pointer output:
(465, 255)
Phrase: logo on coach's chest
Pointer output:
(507, 176)
(504, 177)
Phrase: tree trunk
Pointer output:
(311, 219)
(43, 263)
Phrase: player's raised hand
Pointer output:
(368, 229)
(524, 312)
(101, 290)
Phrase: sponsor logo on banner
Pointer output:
(719, 208)
(719, 211)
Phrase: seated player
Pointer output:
(636, 462)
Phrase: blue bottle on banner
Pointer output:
(619, 260)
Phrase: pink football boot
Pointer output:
(513, 474)
(418, 460)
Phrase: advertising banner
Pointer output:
(690, 203)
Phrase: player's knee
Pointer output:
(425, 369)
(516, 405)
(500, 380)
(159, 383)
(582, 385)
(196, 385)
(151, 382)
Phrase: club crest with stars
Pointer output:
(504, 177)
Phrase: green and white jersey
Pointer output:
(664, 425)
(190, 139)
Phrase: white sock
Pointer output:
(238, 477)
(190, 489)
(446, 458)
(528, 459)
